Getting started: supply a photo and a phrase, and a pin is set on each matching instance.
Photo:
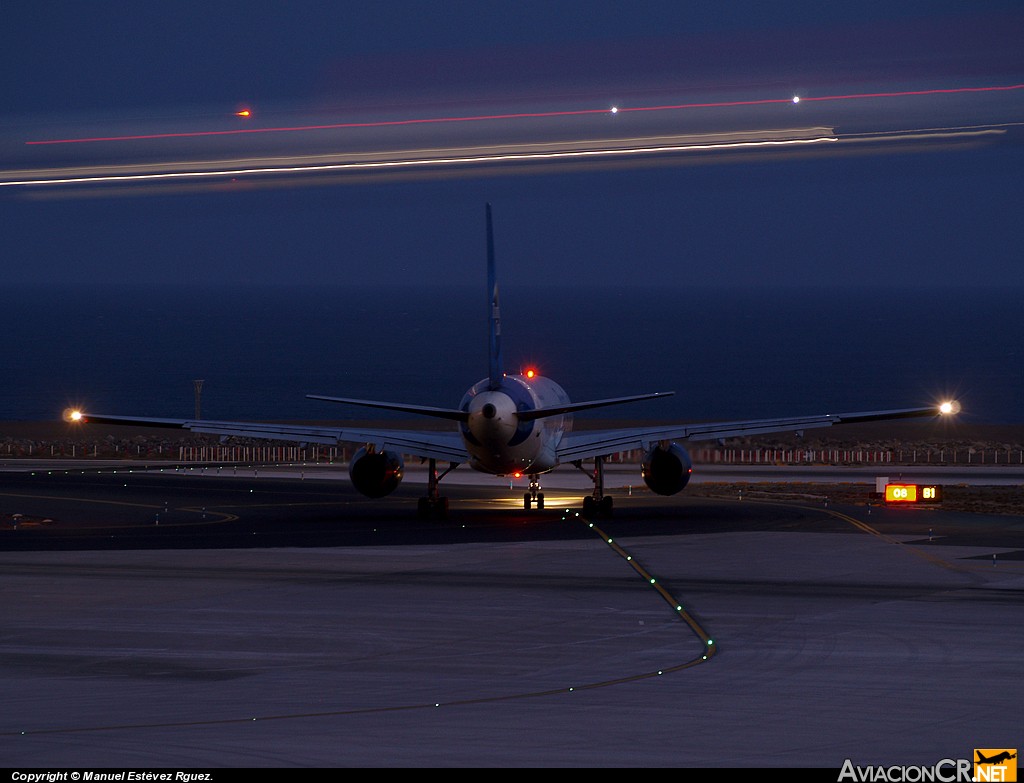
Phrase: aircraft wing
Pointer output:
(441, 445)
(585, 444)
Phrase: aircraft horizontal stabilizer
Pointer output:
(423, 410)
(572, 407)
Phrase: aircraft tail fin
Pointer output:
(495, 364)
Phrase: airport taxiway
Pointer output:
(286, 622)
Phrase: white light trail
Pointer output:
(384, 161)
(341, 162)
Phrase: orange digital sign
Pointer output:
(913, 493)
(901, 493)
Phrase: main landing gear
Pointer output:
(597, 503)
(434, 504)
(534, 496)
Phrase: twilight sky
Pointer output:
(913, 176)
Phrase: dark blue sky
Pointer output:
(930, 212)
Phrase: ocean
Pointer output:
(725, 353)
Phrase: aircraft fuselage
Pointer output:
(499, 440)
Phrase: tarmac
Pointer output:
(290, 624)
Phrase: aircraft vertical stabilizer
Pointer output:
(495, 365)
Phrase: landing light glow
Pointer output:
(949, 407)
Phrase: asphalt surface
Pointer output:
(177, 621)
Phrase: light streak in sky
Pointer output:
(531, 115)
(604, 148)
(383, 161)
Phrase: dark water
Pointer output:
(739, 354)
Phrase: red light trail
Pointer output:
(531, 115)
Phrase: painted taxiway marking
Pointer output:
(225, 517)
(708, 645)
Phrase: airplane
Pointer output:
(510, 424)
(1004, 756)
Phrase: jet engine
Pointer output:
(376, 473)
(666, 469)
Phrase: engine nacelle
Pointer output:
(377, 473)
(666, 470)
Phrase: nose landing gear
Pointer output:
(534, 496)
